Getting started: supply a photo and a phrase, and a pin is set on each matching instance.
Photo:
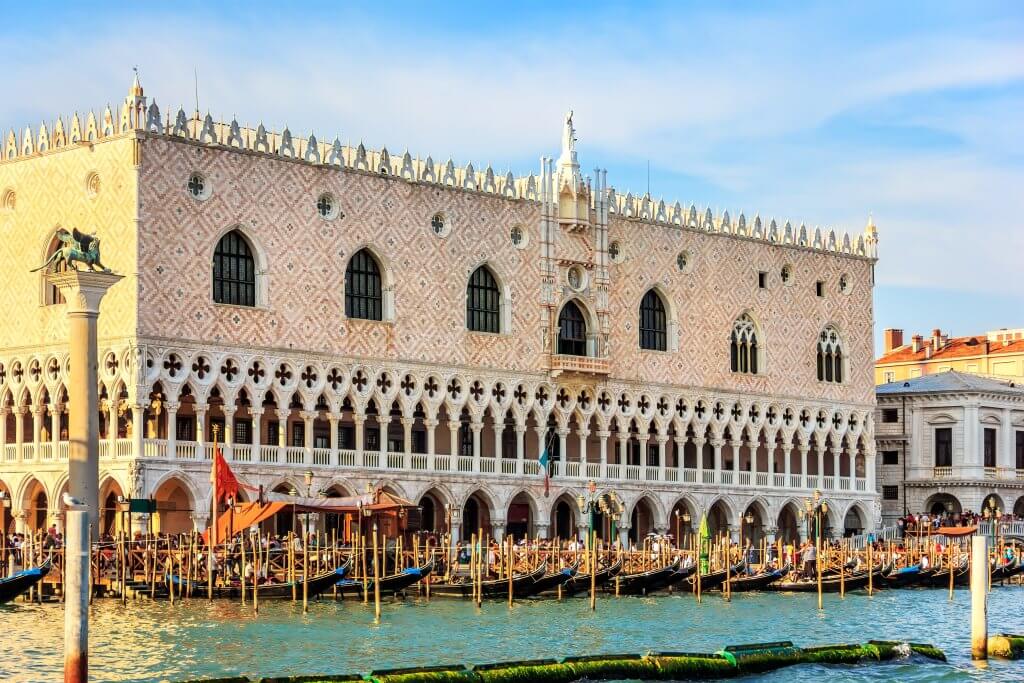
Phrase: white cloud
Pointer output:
(710, 95)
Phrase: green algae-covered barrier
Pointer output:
(732, 661)
(1006, 646)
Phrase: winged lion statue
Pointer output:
(76, 247)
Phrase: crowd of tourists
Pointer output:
(925, 523)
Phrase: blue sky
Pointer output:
(811, 112)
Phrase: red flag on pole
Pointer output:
(224, 481)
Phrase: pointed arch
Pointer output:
(830, 357)
(574, 330)
(369, 287)
(746, 346)
(235, 270)
(487, 302)
(653, 322)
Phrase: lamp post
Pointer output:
(589, 505)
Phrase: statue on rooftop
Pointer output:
(76, 247)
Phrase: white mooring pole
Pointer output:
(979, 597)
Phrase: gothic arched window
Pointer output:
(743, 347)
(653, 325)
(363, 297)
(830, 356)
(234, 271)
(483, 302)
(572, 331)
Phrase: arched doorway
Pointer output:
(36, 506)
(718, 519)
(641, 521)
(476, 517)
(519, 523)
(1018, 507)
(173, 508)
(286, 520)
(788, 524)
(110, 523)
(563, 518)
(433, 512)
(753, 525)
(683, 522)
(993, 504)
(334, 523)
(853, 524)
(942, 504)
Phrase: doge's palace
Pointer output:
(348, 317)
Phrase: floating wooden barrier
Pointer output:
(732, 661)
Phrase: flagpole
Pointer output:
(213, 529)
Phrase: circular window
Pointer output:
(9, 200)
(576, 277)
(844, 283)
(518, 237)
(615, 252)
(92, 185)
(327, 207)
(198, 186)
(786, 274)
(439, 225)
(684, 262)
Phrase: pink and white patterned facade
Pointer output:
(295, 386)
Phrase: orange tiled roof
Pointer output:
(955, 347)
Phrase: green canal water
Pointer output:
(158, 642)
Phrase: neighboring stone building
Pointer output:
(999, 353)
(950, 441)
(428, 328)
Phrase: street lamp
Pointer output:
(749, 519)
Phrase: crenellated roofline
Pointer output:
(136, 115)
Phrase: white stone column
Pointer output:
(662, 464)
(19, 429)
(453, 437)
(735, 444)
(787, 453)
(805, 449)
(112, 427)
(836, 453)
(563, 448)
(476, 426)
(499, 429)
(383, 425)
(431, 425)
(771, 459)
(359, 420)
(171, 409)
(698, 444)
(138, 430)
(308, 422)
(37, 428)
(83, 291)
(869, 469)
(643, 439)
(821, 464)
(256, 433)
(332, 438)
(717, 444)
(752, 450)
(55, 411)
(623, 449)
(520, 447)
(200, 409)
(680, 442)
(1006, 457)
(407, 425)
(228, 437)
(4, 412)
(282, 428)
(583, 434)
(603, 435)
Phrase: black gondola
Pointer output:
(1004, 570)
(268, 591)
(16, 584)
(939, 578)
(523, 586)
(905, 577)
(712, 580)
(389, 585)
(580, 582)
(832, 584)
(741, 583)
(643, 583)
(550, 582)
